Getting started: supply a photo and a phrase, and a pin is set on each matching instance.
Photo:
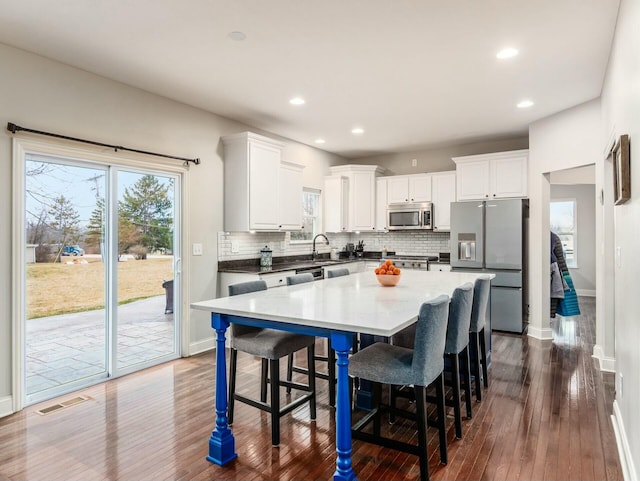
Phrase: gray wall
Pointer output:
(584, 276)
(439, 159)
(620, 108)
(45, 95)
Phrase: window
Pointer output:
(563, 222)
(310, 216)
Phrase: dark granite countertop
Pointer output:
(290, 263)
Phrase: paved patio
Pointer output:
(65, 348)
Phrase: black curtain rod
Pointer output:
(13, 128)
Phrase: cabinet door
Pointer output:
(362, 200)
(420, 188)
(472, 180)
(381, 204)
(336, 203)
(290, 196)
(397, 190)
(264, 173)
(509, 177)
(443, 193)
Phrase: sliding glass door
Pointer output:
(146, 220)
(101, 277)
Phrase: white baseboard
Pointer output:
(542, 334)
(586, 292)
(6, 406)
(202, 346)
(607, 364)
(626, 460)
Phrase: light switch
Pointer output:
(197, 249)
(235, 247)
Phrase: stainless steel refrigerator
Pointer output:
(490, 236)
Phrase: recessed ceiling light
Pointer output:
(357, 131)
(507, 53)
(237, 36)
(525, 104)
(320, 141)
(297, 101)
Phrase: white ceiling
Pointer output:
(413, 74)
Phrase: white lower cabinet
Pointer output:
(273, 279)
(440, 267)
(355, 266)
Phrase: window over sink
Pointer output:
(311, 220)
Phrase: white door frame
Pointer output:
(22, 146)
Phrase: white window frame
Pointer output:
(573, 265)
(318, 223)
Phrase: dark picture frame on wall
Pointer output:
(621, 170)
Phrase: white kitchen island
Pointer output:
(333, 308)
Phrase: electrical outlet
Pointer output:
(414, 162)
(197, 249)
(235, 247)
(283, 245)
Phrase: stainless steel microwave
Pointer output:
(410, 216)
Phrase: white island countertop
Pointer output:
(354, 303)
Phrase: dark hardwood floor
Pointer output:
(546, 416)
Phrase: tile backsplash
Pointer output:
(403, 242)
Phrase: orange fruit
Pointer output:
(396, 271)
(389, 262)
(377, 270)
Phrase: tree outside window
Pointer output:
(563, 223)
(310, 216)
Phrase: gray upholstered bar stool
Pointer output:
(477, 343)
(292, 281)
(270, 345)
(456, 350)
(343, 271)
(421, 367)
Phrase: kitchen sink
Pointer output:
(325, 263)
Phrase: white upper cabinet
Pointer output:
(361, 204)
(290, 196)
(252, 184)
(402, 189)
(381, 203)
(443, 192)
(495, 176)
(336, 203)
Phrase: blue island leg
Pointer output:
(222, 443)
(341, 343)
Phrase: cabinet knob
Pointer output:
(406, 200)
(486, 195)
(412, 199)
(494, 195)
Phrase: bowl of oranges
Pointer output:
(387, 274)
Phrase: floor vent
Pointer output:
(64, 404)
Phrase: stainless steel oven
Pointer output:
(410, 216)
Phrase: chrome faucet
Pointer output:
(314, 254)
